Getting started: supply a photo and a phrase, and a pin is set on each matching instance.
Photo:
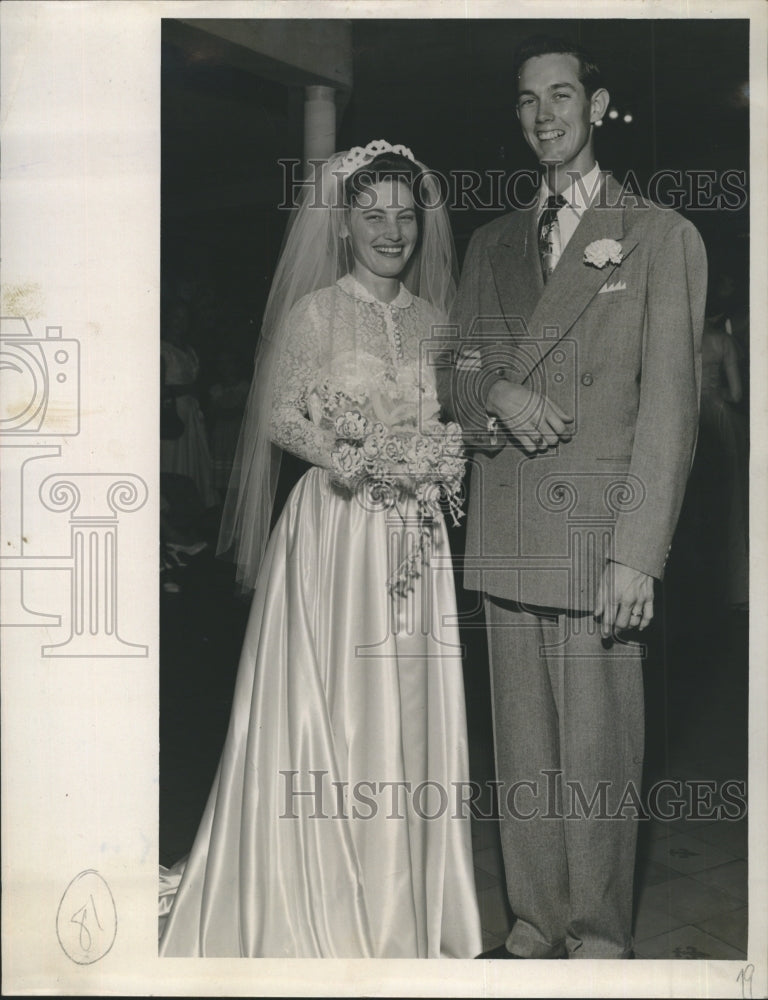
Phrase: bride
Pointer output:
(337, 823)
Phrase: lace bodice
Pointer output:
(341, 337)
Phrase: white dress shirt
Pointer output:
(579, 195)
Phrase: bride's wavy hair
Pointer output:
(385, 166)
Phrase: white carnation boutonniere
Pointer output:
(603, 252)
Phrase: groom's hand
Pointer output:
(624, 599)
(534, 421)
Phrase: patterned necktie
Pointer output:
(549, 235)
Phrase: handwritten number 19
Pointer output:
(745, 978)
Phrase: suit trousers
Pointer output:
(568, 720)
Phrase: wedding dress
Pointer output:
(337, 825)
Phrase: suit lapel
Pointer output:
(556, 306)
(574, 284)
(517, 270)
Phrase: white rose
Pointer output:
(602, 252)
(352, 425)
(347, 460)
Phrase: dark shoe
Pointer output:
(498, 952)
(501, 952)
(192, 549)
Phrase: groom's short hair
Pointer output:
(590, 74)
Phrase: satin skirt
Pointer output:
(337, 825)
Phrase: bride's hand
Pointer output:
(401, 415)
(391, 414)
(379, 408)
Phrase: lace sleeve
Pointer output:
(296, 369)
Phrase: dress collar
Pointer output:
(349, 284)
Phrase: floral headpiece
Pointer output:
(360, 156)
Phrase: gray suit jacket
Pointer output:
(617, 347)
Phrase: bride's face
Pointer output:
(382, 228)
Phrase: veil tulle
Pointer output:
(314, 256)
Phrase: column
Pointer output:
(319, 123)
(94, 501)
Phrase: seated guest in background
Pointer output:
(187, 454)
(227, 397)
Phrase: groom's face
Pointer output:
(555, 113)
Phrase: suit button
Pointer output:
(587, 378)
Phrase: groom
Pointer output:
(578, 379)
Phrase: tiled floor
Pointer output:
(700, 912)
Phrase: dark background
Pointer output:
(443, 88)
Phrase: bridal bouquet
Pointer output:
(402, 457)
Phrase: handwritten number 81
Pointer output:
(81, 917)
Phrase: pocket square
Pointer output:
(617, 286)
